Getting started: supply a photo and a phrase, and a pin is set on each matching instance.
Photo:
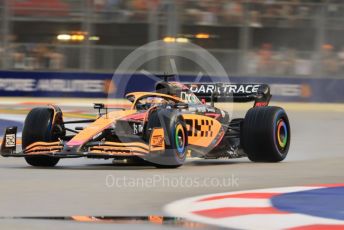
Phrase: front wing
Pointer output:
(93, 150)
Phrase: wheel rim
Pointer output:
(180, 139)
(282, 134)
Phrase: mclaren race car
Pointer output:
(161, 128)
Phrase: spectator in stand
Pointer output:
(233, 12)
(284, 61)
(18, 58)
(192, 11)
(37, 57)
(56, 59)
(99, 5)
(329, 60)
(271, 9)
(2, 53)
(41, 56)
(142, 7)
(303, 66)
(341, 60)
(265, 58)
(210, 12)
(255, 19)
(287, 14)
(252, 62)
(106, 9)
(335, 8)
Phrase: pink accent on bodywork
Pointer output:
(74, 143)
(137, 116)
(214, 115)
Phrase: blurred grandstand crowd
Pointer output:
(252, 37)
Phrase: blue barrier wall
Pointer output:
(50, 84)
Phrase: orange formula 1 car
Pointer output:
(160, 129)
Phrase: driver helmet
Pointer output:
(155, 101)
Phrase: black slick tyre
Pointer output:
(175, 137)
(38, 127)
(265, 135)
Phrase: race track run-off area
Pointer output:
(303, 192)
(302, 207)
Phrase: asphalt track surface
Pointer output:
(88, 187)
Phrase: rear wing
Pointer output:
(223, 92)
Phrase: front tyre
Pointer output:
(265, 135)
(38, 126)
(175, 137)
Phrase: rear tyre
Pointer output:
(38, 127)
(265, 135)
(175, 138)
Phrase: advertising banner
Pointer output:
(96, 85)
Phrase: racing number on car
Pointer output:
(199, 127)
(10, 140)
